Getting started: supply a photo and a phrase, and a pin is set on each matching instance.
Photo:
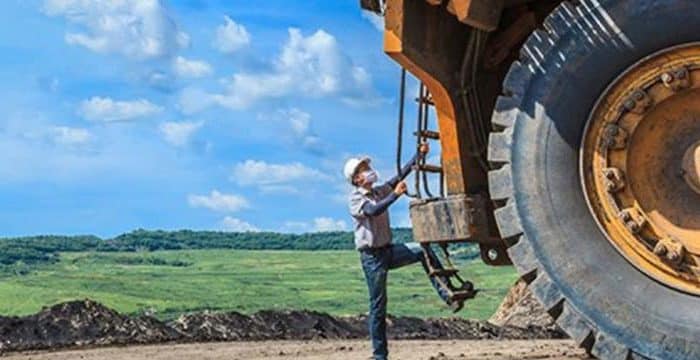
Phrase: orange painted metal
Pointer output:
(416, 37)
(447, 119)
(481, 14)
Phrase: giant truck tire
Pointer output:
(588, 55)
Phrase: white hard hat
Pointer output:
(351, 166)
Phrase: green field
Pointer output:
(168, 283)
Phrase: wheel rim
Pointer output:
(640, 166)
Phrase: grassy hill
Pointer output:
(170, 282)
(15, 253)
(171, 272)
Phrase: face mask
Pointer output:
(370, 176)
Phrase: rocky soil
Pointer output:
(87, 323)
(520, 309)
(324, 350)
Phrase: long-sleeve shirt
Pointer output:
(369, 210)
(376, 208)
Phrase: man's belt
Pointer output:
(369, 249)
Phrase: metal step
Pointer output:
(443, 272)
(430, 168)
(425, 100)
(462, 295)
(428, 134)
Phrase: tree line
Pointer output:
(45, 248)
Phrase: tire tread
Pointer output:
(536, 49)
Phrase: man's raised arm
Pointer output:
(372, 208)
(406, 169)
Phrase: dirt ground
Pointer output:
(322, 350)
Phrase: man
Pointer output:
(369, 205)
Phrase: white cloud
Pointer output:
(105, 109)
(218, 202)
(179, 133)
(230, 36)
(138, 29)
(319, 224)
(300, 123)
(325, 224)
(260, 173)
(159, 80)
(313, 66)
(193, 100)
(191, 68)
(237, 225)
(376, 20)
(34, 148)
(70, 136)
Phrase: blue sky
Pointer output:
(191, 114)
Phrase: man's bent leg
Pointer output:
(375, 267)
(411, 253)
(405, 254)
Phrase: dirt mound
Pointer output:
(310, 325)
(264, 325)
(520, 309)
(87, 323)
(408, 328)
(79, 323)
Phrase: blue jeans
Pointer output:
(376, 263)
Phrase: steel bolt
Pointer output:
(666, 78)
(609, 186)
(634, 227)
(660, 249)
(626, 216)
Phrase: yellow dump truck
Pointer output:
(570, 147)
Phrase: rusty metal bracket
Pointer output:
(456, 218)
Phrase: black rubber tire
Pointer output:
(602, 301)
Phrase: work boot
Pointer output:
(456, 305)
